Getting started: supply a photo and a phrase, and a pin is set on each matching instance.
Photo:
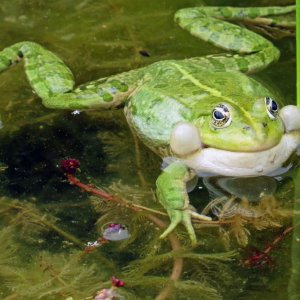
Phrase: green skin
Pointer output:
(161, 95)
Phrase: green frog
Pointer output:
(205, 113)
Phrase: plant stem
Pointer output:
(265, 253)
(97, 192)
(177, 263)
(102, 194)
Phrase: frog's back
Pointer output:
(174, 91)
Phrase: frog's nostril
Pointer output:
(264, 124)
(247, 127)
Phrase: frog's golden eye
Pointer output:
(272, 108)
(221, 116)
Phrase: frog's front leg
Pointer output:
(172, 194)
(53, 81)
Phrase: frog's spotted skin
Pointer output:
(199, 91)
(204, 111)
(53, 81)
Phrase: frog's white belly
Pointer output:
(227, 163)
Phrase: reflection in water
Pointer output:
(251, 188)
(242, 203)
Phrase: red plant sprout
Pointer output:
(262, 259)
(70, 165)
(117, 282)
(258, 259)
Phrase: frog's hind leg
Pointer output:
(254, 52)
(47, 73)
(53, 81)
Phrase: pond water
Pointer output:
(46, 223)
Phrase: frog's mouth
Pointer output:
(211, 161)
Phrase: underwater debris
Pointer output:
(91, 246)
(114, 232)
(111, 293)
(144, 53)
(107, 294)
(75, 112)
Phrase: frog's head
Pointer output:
(236, 129)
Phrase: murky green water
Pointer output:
(45, 222)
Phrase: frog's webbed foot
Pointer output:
(185, 217)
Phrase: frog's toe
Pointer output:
(200, 217)
(184, 216)
(187, 222)
(176, 218)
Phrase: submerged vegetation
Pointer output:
(33, 267)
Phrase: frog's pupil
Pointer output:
(274, 106)
(218, 115)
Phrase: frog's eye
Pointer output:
(221, 116)
(272, 108)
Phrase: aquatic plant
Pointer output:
(231, 214)
(236, 216)
(45, 275)
(76, 269)
(262, 259)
